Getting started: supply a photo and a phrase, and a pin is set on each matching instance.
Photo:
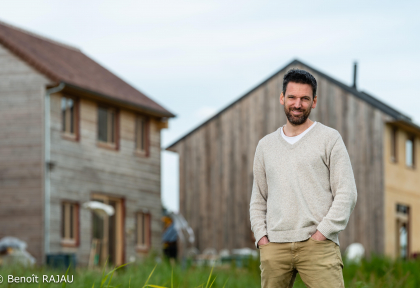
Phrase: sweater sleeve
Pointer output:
(343, 188)
(258, 203)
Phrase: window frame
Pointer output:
(66, 134)
(107, 144)
(143, 247)
(394, 144)
(75, 240)
(412, 138)
(403, 218)
(146, 151)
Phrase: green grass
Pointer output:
(376, 272)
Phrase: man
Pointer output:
(303, 194)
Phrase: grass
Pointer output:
(375, 272)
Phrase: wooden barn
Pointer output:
(216, 161)
(72, 132)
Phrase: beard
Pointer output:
(297, 120)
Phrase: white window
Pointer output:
(409, 152)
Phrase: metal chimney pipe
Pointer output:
(355, 75)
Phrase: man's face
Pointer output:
(298, 102)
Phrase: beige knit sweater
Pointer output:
(303, 187)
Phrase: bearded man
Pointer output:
(303, 193)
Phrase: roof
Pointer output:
(63, 63)
(362, 95)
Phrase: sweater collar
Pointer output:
(303, 139)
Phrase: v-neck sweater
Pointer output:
(294, 139)
(303, 187)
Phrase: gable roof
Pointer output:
(362, 95)
(62, 63)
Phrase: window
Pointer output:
(69, 116)
(394, 150)
(69, 223)
(402, 231)
(143, 231)
(107, 126)
(409, 152)
(142, 135)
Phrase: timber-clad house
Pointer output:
(73, 132)
(216, 161)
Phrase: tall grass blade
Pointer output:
(150, 275)
(113, 270)
(65, 275)
(208, 280)
(116, 268)
(213, 281)
(110, 278)
(103, 274)
(225, 283)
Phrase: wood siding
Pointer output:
(216, 161)
(82, 168)
(22, 96)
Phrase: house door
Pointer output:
(107, 232)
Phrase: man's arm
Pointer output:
(343, 187)
(258, 204)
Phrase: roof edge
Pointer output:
(154, 112)
(411, 126)
(29, 60)
(37, 65)
(36, 35)
(362, 95)
(295, 61)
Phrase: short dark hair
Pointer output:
(299, 76)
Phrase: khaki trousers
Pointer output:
(318, 263)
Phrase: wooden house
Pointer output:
(72, 132)
(216, 160)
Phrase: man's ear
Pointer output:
(314, 102)
(282, 98)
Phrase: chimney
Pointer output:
(354, 75)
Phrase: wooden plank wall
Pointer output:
(219, 156)
(21, 152)
(82, 168)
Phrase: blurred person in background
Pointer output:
(169, 239)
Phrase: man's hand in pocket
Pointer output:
(263, 240)
(318, 236)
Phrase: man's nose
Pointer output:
(298, 103)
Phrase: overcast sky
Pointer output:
(196, 57)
